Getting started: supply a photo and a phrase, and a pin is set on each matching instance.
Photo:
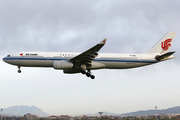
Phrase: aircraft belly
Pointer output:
(26, 62)
(36, 63)
(123, 65)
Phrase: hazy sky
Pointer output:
(130, 26)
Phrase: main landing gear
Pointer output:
(19, 69)
(87, 73)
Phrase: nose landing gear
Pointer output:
(19, 69)
(87, 73)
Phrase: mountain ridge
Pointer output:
(172, 110)
(22, 110)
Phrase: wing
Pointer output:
(88, 56)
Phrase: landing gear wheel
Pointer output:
(88, 74)
(83, 71)
(19, 71)
(92, 76)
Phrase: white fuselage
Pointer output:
(107, 60)
(91, 59)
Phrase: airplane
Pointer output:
(89, 60)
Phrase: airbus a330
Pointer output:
(89, 60)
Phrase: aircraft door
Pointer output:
(140, 57)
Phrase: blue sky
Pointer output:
(75, 26)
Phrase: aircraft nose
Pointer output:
(4, 59)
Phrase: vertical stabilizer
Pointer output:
(164, 44)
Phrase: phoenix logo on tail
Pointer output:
(166, 44)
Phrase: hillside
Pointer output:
(173, 110)
(23, 109)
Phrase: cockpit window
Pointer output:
(8, 55)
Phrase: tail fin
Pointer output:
(164, 44)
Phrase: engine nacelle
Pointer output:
(62, 65)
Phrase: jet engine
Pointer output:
(62, 65)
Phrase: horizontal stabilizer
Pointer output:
(166, 55)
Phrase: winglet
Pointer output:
(103, 41)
